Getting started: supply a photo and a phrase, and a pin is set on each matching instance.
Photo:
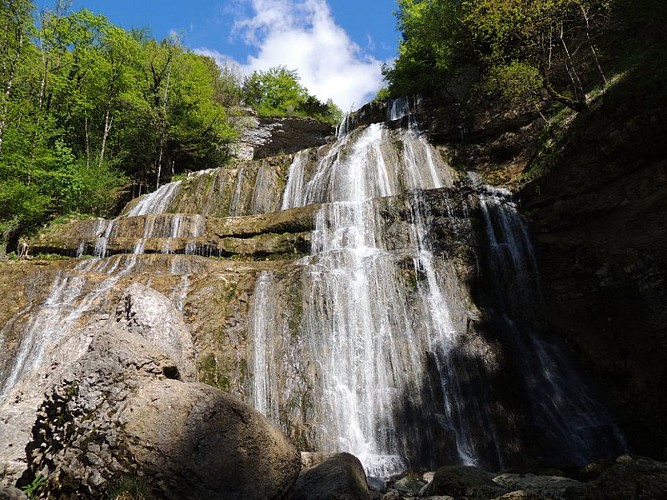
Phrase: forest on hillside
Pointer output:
(89, 111)
(524, 52)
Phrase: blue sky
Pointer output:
(337, 46)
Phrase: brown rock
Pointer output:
(631, 479)
(340, 477)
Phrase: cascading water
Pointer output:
(358, 324)
(575, 427)
(370, 348)
(156, 202)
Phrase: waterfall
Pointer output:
(156, 202)
(358, 323)
(69, 299)
(574, 425)
(375, 336)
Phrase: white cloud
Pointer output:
(302, 35)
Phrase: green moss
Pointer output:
(213, 373)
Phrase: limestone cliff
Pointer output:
(599, 215)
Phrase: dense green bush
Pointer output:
(277, 92)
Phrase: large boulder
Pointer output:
(121, 421)
(198, 442)
(339, 477)
(630, 479)
(471, 482)
(146, 312)
(555, 487)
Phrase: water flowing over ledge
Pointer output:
(393, 317)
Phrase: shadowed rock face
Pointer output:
(599, 217)
(339, 476)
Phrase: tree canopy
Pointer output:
(88, 109)
(524, 47)
(277, 92)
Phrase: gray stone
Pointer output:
(630, 478)
(391, 495)
(11, 493)
(340, 477)
(409, 485)
(520, 495)
(428, 476)
(455, 480)
(148, 313)
(376, 483)
(555, 487)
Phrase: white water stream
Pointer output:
(357, 322)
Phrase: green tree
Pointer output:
(274, 92)
(16, 28)
(84, 105)
(277, 92)
(542, 37)
(432, 43)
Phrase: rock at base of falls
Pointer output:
(119, 418)
(630, 477)
(341, 475)
(465, 481)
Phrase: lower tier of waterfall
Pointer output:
(382, 343)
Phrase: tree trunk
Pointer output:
(590, 43)
(577, 86)
(108, 120)
(576, 105)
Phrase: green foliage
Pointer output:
(32, 489)
(529, 46)
(432, 42)
(274, 92)
(517, 83)
(549, 40)
(87, 107)
(129, 488)
(382, 95)
(277, 92)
